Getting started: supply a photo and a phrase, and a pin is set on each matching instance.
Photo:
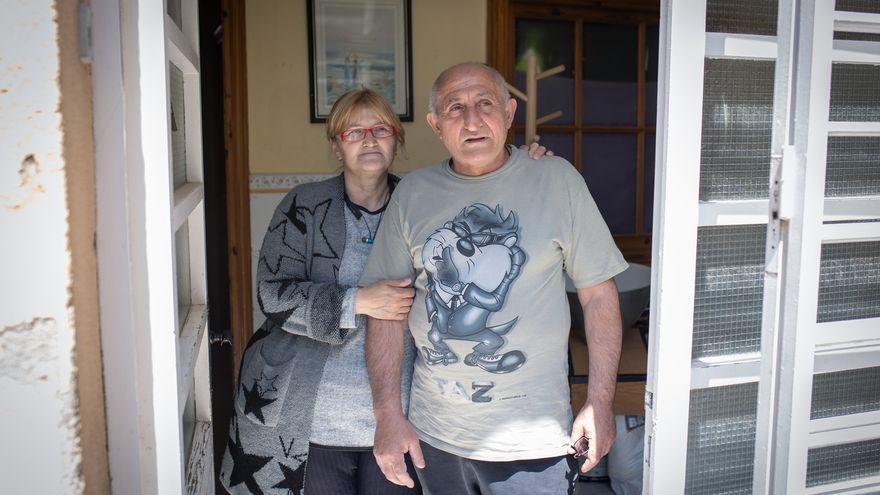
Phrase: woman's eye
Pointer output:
(382, 131)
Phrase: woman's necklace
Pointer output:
(359, 212)
(372, 236)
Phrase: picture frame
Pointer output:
(359, 43)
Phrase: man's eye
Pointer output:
(455, 108)
(486, 103)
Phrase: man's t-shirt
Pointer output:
(490, 318)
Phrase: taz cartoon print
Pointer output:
(471, 263)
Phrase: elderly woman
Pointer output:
(303, 391)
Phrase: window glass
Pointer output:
(178, 126)
(552, 43)
(181, 257)
(610, 68)
(608, 164)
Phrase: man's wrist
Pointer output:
(390, 413)
(598, 404)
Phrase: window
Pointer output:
(607, 95)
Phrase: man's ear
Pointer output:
(511, 111)
(432, 122)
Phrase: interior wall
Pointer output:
(281, 138)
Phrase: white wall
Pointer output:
(40, 447)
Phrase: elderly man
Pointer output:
(486, 236)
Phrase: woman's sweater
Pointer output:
(299, 292)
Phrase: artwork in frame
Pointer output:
(359, 43)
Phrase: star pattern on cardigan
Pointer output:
(254, 402)
(245, 465)
(266, 383)
(293, 478)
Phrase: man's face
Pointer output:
(472, 119)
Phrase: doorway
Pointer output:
(735, 349)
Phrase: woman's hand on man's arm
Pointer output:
(385, 299)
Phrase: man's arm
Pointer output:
(603, 329)
(394, 435)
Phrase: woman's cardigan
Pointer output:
(297, 291)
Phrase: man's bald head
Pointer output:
(461, 69)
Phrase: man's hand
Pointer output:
(385, 299)
(536, 150)
(394, 438)
(597, 424)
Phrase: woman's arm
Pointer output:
(285, 295)
(318, 310)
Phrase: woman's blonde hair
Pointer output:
(343, 112)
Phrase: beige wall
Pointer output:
(281, 138)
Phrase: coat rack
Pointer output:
(530, 97)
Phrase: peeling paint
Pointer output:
(29, 185)
(26, 349)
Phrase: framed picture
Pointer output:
(354, 43)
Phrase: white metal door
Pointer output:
(766, 285)
(151, 243)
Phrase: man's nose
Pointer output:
(472, 119)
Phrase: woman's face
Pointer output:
(370, 155)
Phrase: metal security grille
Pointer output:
(849, 281)
(867, 6)
(845, 392)
(178, 125)
(741, 16)
(728, 290)
(721, 440)
(853, 167)
(847, 35)
(843, 462)
(855, 93)
(737, 117)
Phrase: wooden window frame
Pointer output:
(502, 15)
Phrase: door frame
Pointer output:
(235, 124)
(152, 354)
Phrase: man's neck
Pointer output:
(371, 192)
(477, 170)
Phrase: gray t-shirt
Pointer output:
(490, 318)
